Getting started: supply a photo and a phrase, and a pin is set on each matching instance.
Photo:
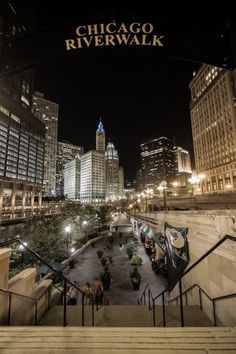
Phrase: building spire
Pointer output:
(100, 126)
(100, 137)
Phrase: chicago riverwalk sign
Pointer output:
(32, 48)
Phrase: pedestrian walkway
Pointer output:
(89, 266)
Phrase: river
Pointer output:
(10, 231)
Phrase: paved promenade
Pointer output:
(88, 266)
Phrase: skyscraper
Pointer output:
(112, 172)
(213, 116)
(158, 161)
(92, 178)
(71, 179)
(21, 134)
(183, 165)
(65, 153)
(100, 138)
(47, 112)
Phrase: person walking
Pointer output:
(106, 278)
(88, 294)
(135, 277)
(97, 291)
(73, 294)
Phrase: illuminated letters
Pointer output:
(114, 34)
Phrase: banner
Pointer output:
(177, 252)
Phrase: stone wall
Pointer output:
(216, 274)
(22, 308)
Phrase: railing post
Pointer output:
(64, 302)
(163, 310)
(181, 304)
(149, 297)
(214, 312)
(186, 298)
(36, 313)
(200, 298)
(154, 313)
(93, 313)
(49, 296)
(9, 311)
(82, 309)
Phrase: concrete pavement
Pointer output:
(88, 266)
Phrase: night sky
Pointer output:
(137, 96)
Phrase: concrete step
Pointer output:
(126, 315)
(117, 340)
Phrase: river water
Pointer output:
(10, 231)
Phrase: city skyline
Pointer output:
(137, 95)
(137, 100)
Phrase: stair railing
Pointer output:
(179, 281)
(66, 281)
(200, 291)
(35, 300)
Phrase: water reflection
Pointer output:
(10, 231)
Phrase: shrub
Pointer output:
(137, 260)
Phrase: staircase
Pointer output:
(125, 316)
(117, 340)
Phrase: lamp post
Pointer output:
(162, 187)
(22, 248)
(195, 180)
(67, 230)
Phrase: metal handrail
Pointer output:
(66, 280)
(188, 290)
(179, 280)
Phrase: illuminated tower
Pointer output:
(112, 172)
(100, 138)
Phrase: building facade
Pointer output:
(112, 172)
(121, 181)
(47, 112)
(71, 179)
(92, 178)
(213, 117)
(158, 162)
(65, 153)
(21, 134)
(183, 165)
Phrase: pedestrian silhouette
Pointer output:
(106, 278)
(73, 294)
(88, 294)
(135, 277)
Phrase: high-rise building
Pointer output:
(47, 112)
(72, 179)
(112, 172)
(158, 161)
(213, 116)
(100, 138)
(121, 181)
(92, 178)
(65, 153)
(183, 165)
(21, 134)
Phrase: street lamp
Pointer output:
(22, 248)
(195, 180)
(67, 230)
(175, 185)
(162, 187)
